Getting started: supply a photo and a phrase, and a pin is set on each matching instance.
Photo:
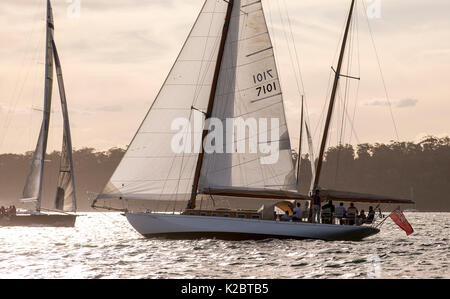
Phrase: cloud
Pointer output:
(110, 108)
(406, 103)
(437, 52)
(403, 103)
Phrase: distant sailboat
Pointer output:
(225, 70)
(65, 200)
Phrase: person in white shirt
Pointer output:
(340, 212)
(297, 213)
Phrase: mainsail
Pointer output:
(65, 193)
(249, 92)
(311, 156)
(33, 185)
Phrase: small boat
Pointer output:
(225, 72)
(65, 200)
(36, 219)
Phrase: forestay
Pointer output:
(151, 169)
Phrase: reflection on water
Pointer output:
(104, 245)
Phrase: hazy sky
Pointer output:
(115, 55)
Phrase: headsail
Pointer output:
(151, 169)
(65, 192)
(249, 92)
(311, 157)
(33, 185)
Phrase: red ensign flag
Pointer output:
(400, 219)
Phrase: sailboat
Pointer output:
(226, 71)
(65, 200)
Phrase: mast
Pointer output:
(332, 99)
(299, 158)
(191, 203)
(33, 186)
(47, 95)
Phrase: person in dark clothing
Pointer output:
(362, 217)
(316, 207)
(13, 211)
(370, 215)
(328, 212)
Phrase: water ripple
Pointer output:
(105, 246)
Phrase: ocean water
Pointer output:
(104, 245)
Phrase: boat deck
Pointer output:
(253, 214)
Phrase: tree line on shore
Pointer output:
(418, 171)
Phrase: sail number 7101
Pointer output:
(265, 88)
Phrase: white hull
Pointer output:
(189, 226)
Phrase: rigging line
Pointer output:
(352, 120)
(302, 92)
(339, 146)
(248, 161)
(283, 175)
(21, 89)
(25, 53)
(201, 81)
(297, 60)
(350, 67)
(347, 82)
(320, 124)
(381, 71)
(243, 35)
(241, 169)
(303, 104)
(275, 62)
(287, 44)
(36, 82)
(215, 85)
(196, 96)
(349, 70)
(353, 128)
(322, 113)
(273, 36)
(19, 86)
(290, 52)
